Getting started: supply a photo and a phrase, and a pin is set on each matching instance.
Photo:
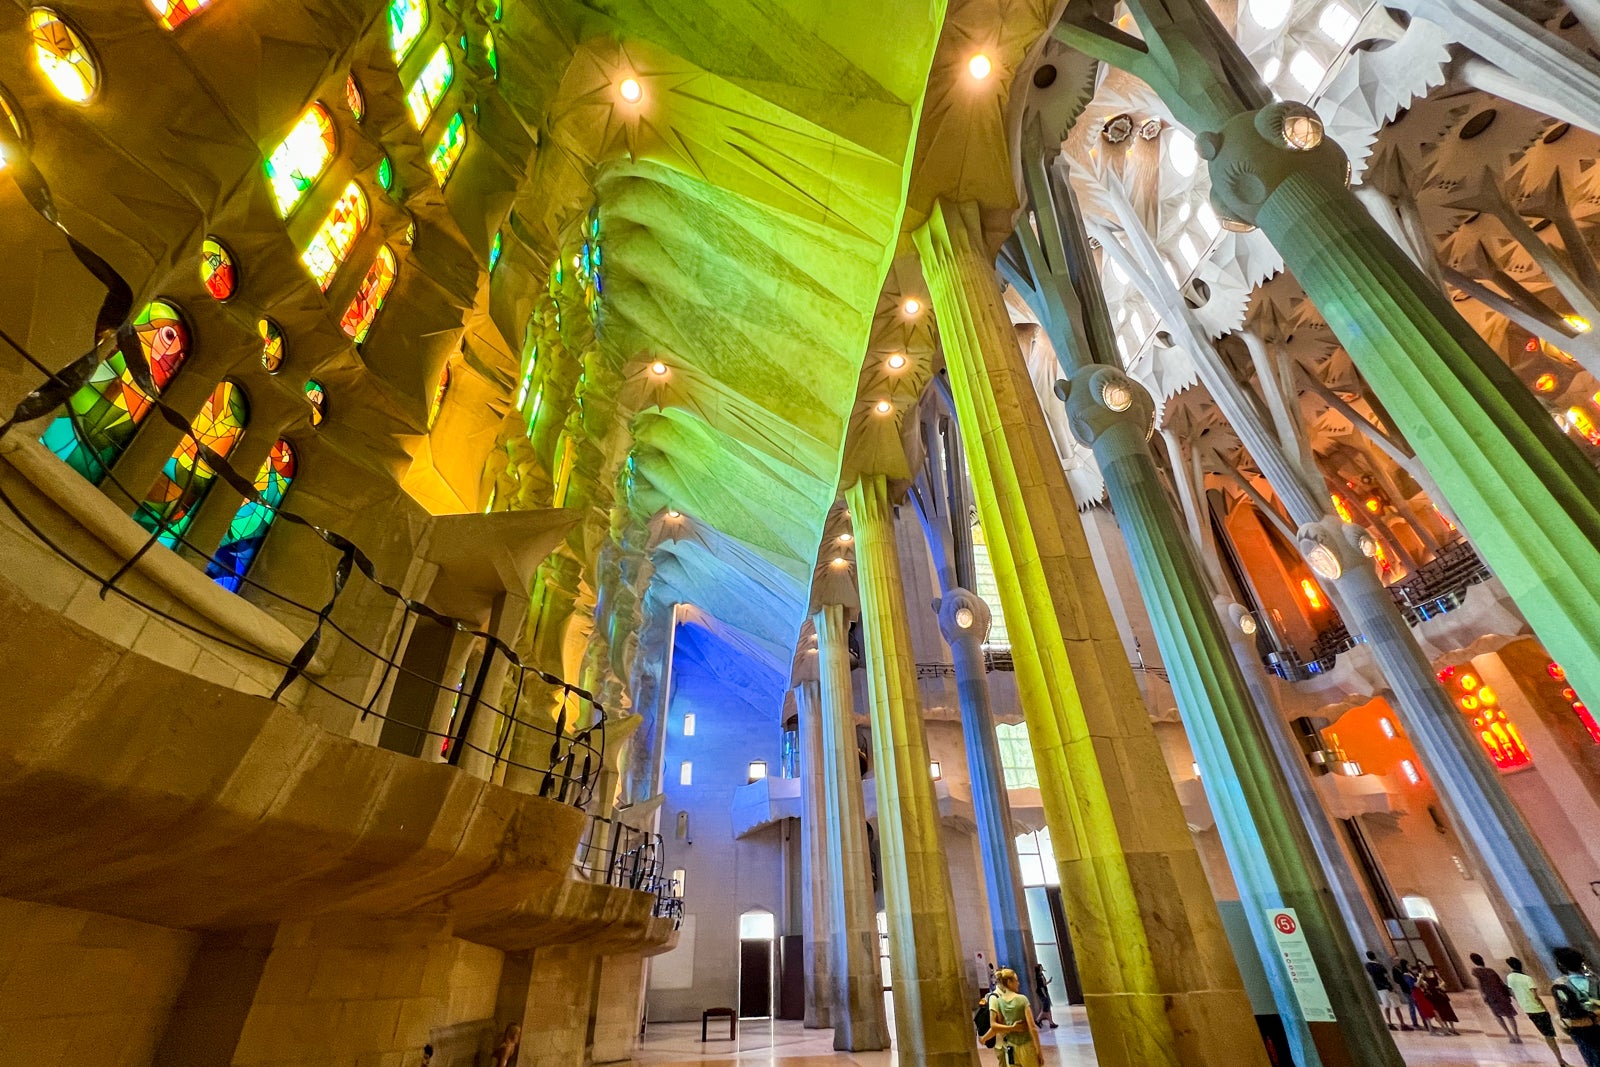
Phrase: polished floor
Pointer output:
(678, 1045)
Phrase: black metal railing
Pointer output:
(570, 746)
(616, 854)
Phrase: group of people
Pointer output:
(1005, 1019)
(1417, 986)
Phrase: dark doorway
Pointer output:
(755, 979)
(416, 688)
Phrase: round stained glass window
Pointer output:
(273, 346)
(62, 56)
(317, 397)
(217, 271)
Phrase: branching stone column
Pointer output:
(1159, 978)
(859, 1021)
(964, 621)
(932, 1020)
(817, 910)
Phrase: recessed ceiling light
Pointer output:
(659, 369)
(671, 514)
(912, 305)
(845, 539)
(883, 407)
(979, 66)
(630, 90)
(896, 361)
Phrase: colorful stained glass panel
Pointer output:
(217, 270)
(170, 505)
(386, 174)
(174, 13)
(354, 99)
(358, 317)
(253, 520)
(495, 248)
(62, 56)
(317, 397)
(330, 245)
(447, 153)
(110, 407)
(273, 345)
(297, 163)
(407, 20)
(429, 88)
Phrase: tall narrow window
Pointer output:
(110, 407)
(297, 163)
(62, 56)
(438, 396)
(358, 317)
(430, 86)
(447, 153)
(407, 20)
(1016, 756)
(251, 522)
(331, 244)
(354, 99)
(186, 478)
(174, 13)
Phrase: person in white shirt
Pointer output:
(1525, 991)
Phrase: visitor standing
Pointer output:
(1433, 985)
(1526, 992)
(1496, 996)
(1388, 999)
(1011, 1020)
(1041, 982)
(1400, 973)
(1577, 1004)
(1419, 998)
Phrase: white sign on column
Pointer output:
(1303, 976)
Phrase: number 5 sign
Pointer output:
(1302, 969)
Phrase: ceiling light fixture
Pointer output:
(671, 514)
(630, 90)
(659, 369)
(895, 362)
(845, 539)
(912, 305)
(883, 407)
(979, 66)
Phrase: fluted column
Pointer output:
(964, 621)
(1159, 978)
(932, 1020)
(859, 1022)
(816, 910)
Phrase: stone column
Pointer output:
(1269, 852)
(816, 912)
(964, 620)
(1159, 978)
(859, 1022)
(932, 1016)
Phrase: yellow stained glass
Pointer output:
(15, 128)
(174, 13)
(447, 153)
(407, 20)
(331, 244)
(297, 163)
(430, 86)
(62, 56)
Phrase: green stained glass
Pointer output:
(499, 10)
(430, 85)
(386, 174)
(317, 397)
(407, 20)
(170, 505)
(492, 56)
(297, 163)
(250, 524)
(494, 252)
(447, 153)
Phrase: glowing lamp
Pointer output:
(659, 369)
(895, 362)
(1247, 624)
(883, 407)
(912, 305)
(630, 90)
(845, 539)
(979, 67)
(1372, 505)
(674, 514)
(1469, 682)
(757, 770)
(964, 618)
(1486, 696)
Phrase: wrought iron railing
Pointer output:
(616, 854)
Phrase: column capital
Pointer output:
(1257, 151)
(1100, 398)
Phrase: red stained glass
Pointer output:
(359, 316)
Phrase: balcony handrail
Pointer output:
(618, 854)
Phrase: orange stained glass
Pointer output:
(1342, 508)
(330, 246)
(170, 505)
(1496, 732)
(438, 396)
(174, 13)
(1313, 597)
(359, 316)
(1545, 383)
(62, 56)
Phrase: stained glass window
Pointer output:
(217, 271)
(110, 407)
(429, 88)
(494, 251)
(273, 345)
(438, 396)
(317, 397)
(354, 100)
(369, 298)
(62, 56)
(185, 479)
(297, 163)
(250, 524)
(490, 54)
(331, 244)
(174, 13)
(386, 174)
(15, 123)
(407, 20)
(447, 153)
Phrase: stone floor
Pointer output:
(678, 1045)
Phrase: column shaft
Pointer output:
(1159, 977)
(932, 1027)
(859, 1022)
(816, 911)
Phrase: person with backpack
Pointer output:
(1526, 992)
(1012, 1032)
(1577, 1003)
